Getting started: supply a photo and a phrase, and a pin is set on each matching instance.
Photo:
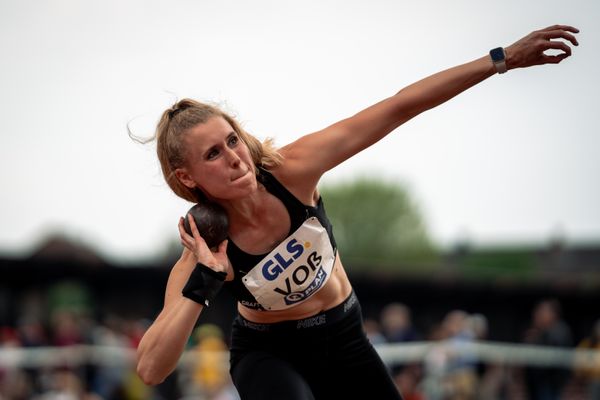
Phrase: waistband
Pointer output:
(326, 317)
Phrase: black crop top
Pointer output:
(243, 262)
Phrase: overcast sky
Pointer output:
(515, 158)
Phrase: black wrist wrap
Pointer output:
(203, 284)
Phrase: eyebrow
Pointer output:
(213, 147)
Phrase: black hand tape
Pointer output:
(203, 284)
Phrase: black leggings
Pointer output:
(327, 356)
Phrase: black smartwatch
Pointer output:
(498, 57)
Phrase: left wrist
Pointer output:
(498, 57)
(511, 62)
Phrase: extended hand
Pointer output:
(530, 50)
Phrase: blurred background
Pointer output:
(471, 234)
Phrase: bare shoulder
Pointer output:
(296, 175)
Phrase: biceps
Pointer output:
(323, 150)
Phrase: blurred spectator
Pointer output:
(478, 326)
(493, 380)
(65, 385)
(31, 332)
(15, 385)
(9, 337)
(407, 381)
(396, 323)
(66, 329)
(108, 379)
(449, 368)
(210, 375)
(591, 373)
(134, 389)
(547, 329)
(461, 378)
(373, 331)
(135, 329)
(434, 365)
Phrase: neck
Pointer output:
(246, 211)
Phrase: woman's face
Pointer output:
(217, 161)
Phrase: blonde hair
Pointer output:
(170, 148)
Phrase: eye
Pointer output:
(233, 140)
(212, 154)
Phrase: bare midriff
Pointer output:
(335, 291)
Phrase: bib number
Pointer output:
(296, 269)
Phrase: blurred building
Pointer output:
(502, 283)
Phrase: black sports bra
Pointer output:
(243, 262)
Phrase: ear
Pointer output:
(185, 178)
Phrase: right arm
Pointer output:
(164, 342)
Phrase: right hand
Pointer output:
(216, 260)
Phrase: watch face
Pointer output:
(497, 54)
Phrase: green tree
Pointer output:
(378, 225)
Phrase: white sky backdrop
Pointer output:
(515, 158)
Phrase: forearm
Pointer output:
(440, 87)
(526, 52)
(347, 137)
(164, 342)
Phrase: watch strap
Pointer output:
(498, 56)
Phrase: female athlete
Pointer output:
(298, 333)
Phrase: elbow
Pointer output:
(149, 377)
(148, 373)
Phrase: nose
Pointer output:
(233, 158)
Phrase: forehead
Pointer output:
(208, 133)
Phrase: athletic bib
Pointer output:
(296, 269)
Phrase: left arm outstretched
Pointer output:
(309, 157)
